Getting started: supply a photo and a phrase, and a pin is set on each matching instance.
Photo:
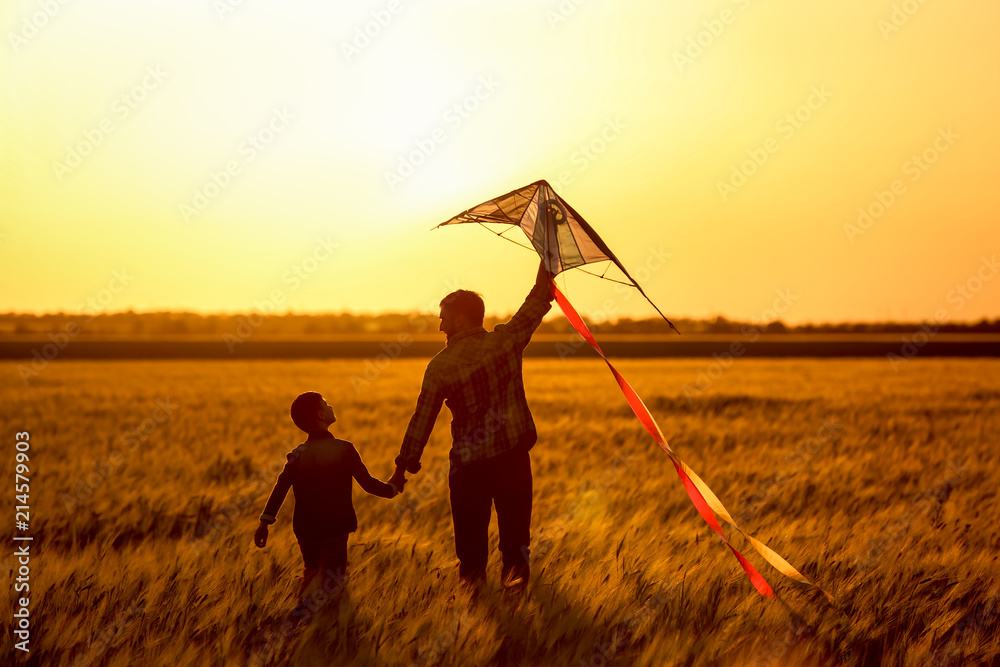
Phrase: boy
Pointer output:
(320, 472)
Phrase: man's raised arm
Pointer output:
(527, 318)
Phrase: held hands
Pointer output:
(397, 479)
(260, 537)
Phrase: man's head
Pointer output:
(460, 311)
(311, 412)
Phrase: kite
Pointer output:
(557, 232)
(564, 240)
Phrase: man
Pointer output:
(479, 374)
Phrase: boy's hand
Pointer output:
(260, 537)
(397, 479)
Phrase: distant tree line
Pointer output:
(295, 325)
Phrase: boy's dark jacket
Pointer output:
(319, 472)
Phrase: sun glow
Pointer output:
(650, 119)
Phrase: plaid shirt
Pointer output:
(479, 375)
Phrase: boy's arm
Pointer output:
(278, 493)
(371, 485)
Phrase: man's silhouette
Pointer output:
(479, 375)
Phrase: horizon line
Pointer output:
(289, 312)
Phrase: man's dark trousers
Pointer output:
(505, 481)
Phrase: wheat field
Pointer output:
(147, 479)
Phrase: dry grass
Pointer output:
(880, 486)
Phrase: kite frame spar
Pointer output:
(524, 197)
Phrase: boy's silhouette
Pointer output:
(319, 472)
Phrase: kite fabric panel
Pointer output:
(506, 209)
(557, 232)
(555, 221)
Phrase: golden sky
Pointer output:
(839, 159)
